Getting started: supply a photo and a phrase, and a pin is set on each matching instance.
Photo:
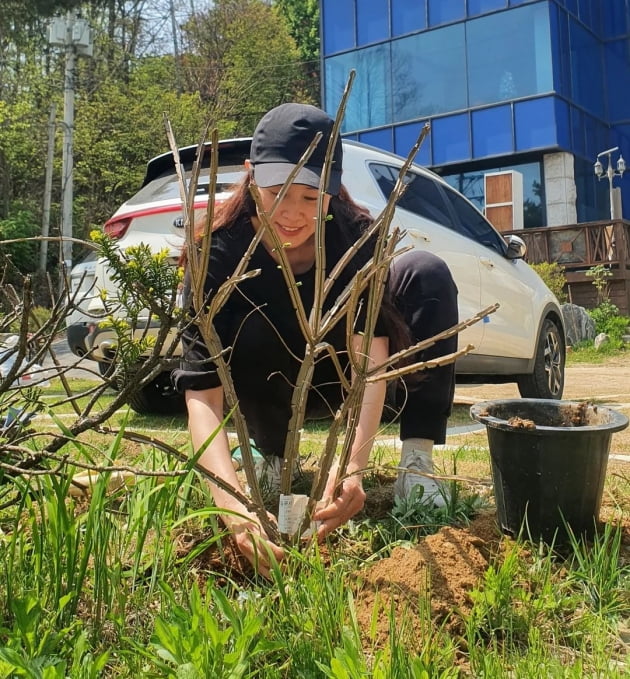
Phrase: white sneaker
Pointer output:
(418, 461)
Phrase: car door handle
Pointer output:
(418, 235)
(488, 263)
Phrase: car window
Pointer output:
(473, 224)
(422, 196)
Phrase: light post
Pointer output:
(611, 173)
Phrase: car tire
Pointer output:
(547, 378)
(106, 369)
(158, 397)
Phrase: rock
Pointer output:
(601, 340)
(578, 325)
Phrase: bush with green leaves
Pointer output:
(554, 277)
(606, 315)
(608, 320)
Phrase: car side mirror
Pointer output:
(516, 247)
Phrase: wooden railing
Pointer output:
(580, 246)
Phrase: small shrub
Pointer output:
(554, 278)
(600, 275)
(608, 320)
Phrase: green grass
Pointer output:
(120, 584)
(586, 353)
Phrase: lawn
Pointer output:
(137, 578)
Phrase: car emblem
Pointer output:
(178, 222)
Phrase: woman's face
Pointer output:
(295, 218)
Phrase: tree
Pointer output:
(242, 59)
(302, 18)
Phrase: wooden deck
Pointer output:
(578, 247)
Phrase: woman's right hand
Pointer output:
(253, 543)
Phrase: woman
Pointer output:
(260, 327)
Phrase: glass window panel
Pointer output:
(615, 18)
(372, 21)
(338, 20)
(519, 63)
(561, 52)
(572, 6)
(617, 55)
(408, 16)
(492, 131)
(476, 7)
(369, 104)
(594, 202)
(470, 184)
(446, 11)
(515, 3)
(577, 131)
(473, 224)
(451, 139)
(587, 12)
(422, 195)
(535, 124)
(587, 78)
(405, 136)
(382, 139)
(597, 137)
(429, 73)
(563, 125)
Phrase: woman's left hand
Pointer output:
(349, 502)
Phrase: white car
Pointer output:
(522, 342)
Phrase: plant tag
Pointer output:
(291, 512)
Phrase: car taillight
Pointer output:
(116, 228)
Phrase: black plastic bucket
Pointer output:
(549, 463)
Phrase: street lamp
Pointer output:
(611, 173)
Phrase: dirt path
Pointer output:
(606, 383)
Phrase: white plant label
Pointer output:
(291, 512)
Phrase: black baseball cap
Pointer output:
(280, 140)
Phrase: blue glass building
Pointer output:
(540, 87)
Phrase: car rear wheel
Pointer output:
(547, 378)
(158, 397)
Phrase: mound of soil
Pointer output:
(439, 572)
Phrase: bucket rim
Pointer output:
(618, 421)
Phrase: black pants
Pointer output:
(264, 373)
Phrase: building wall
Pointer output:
(503, 83)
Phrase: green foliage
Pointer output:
(244, 62)
(600, 275)
(147, 286)
(554, 277)
(21, 224)
(208, 636)
(598, 568)
(302, 17)
(33, 647)
(608, 320)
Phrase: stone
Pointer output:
(601, 340)
(578, 325)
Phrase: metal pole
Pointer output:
(67, 156)
(50, 156)
(611, 174)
